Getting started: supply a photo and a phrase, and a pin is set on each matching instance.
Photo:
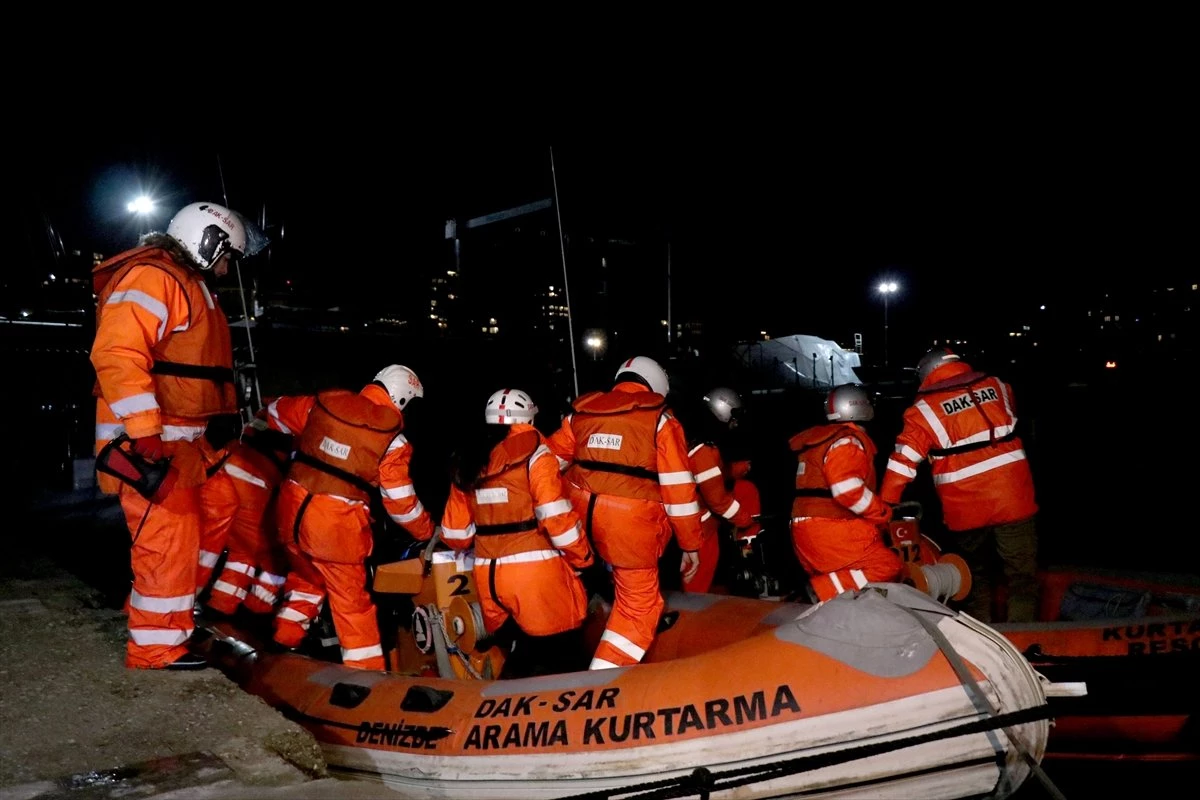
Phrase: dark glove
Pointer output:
(222, 429)
(150, 447)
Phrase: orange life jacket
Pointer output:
(265, 454)
(193, 368)
(977, 462)
(343, 441)
(615, 448)
(813, 496)
(503, 505)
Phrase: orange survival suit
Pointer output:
(626, 466)
(238, 502)
(528, 540)
(164, 366)
(716, 488)
(348, 445)
(836, 516)
(965, 423)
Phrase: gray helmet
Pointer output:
(934, 359)
(723, 402)
(849, 403)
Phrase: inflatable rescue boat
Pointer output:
(882, 692)
(1132, 638)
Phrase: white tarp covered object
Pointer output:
(800, 360)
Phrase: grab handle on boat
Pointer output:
(911, 508)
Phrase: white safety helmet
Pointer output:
(402, 384)
(932, 360)
(509, 406)
(208, 231)
(723, 402)
(849, 403)
(645, 370)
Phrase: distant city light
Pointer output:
(140, 205)
(1110, 365)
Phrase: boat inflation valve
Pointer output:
(948, 579)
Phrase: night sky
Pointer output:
(975, 203)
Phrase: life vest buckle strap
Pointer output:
(506, 528)
(355, 481)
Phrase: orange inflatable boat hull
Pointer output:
(882, 692)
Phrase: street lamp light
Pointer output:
(887, 288)
(142, 205)
(595, 341)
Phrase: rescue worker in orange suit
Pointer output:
(626, 466)
(507, 499)
(964, 422)
(164, 373)
(238, 502)
(348, 445)
(837, 518)
(706, 424)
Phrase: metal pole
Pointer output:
(885, 329)
(669, 326)
(562, 248)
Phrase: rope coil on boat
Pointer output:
(944, 581)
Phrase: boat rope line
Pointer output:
(981, 700)
(702, 782)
